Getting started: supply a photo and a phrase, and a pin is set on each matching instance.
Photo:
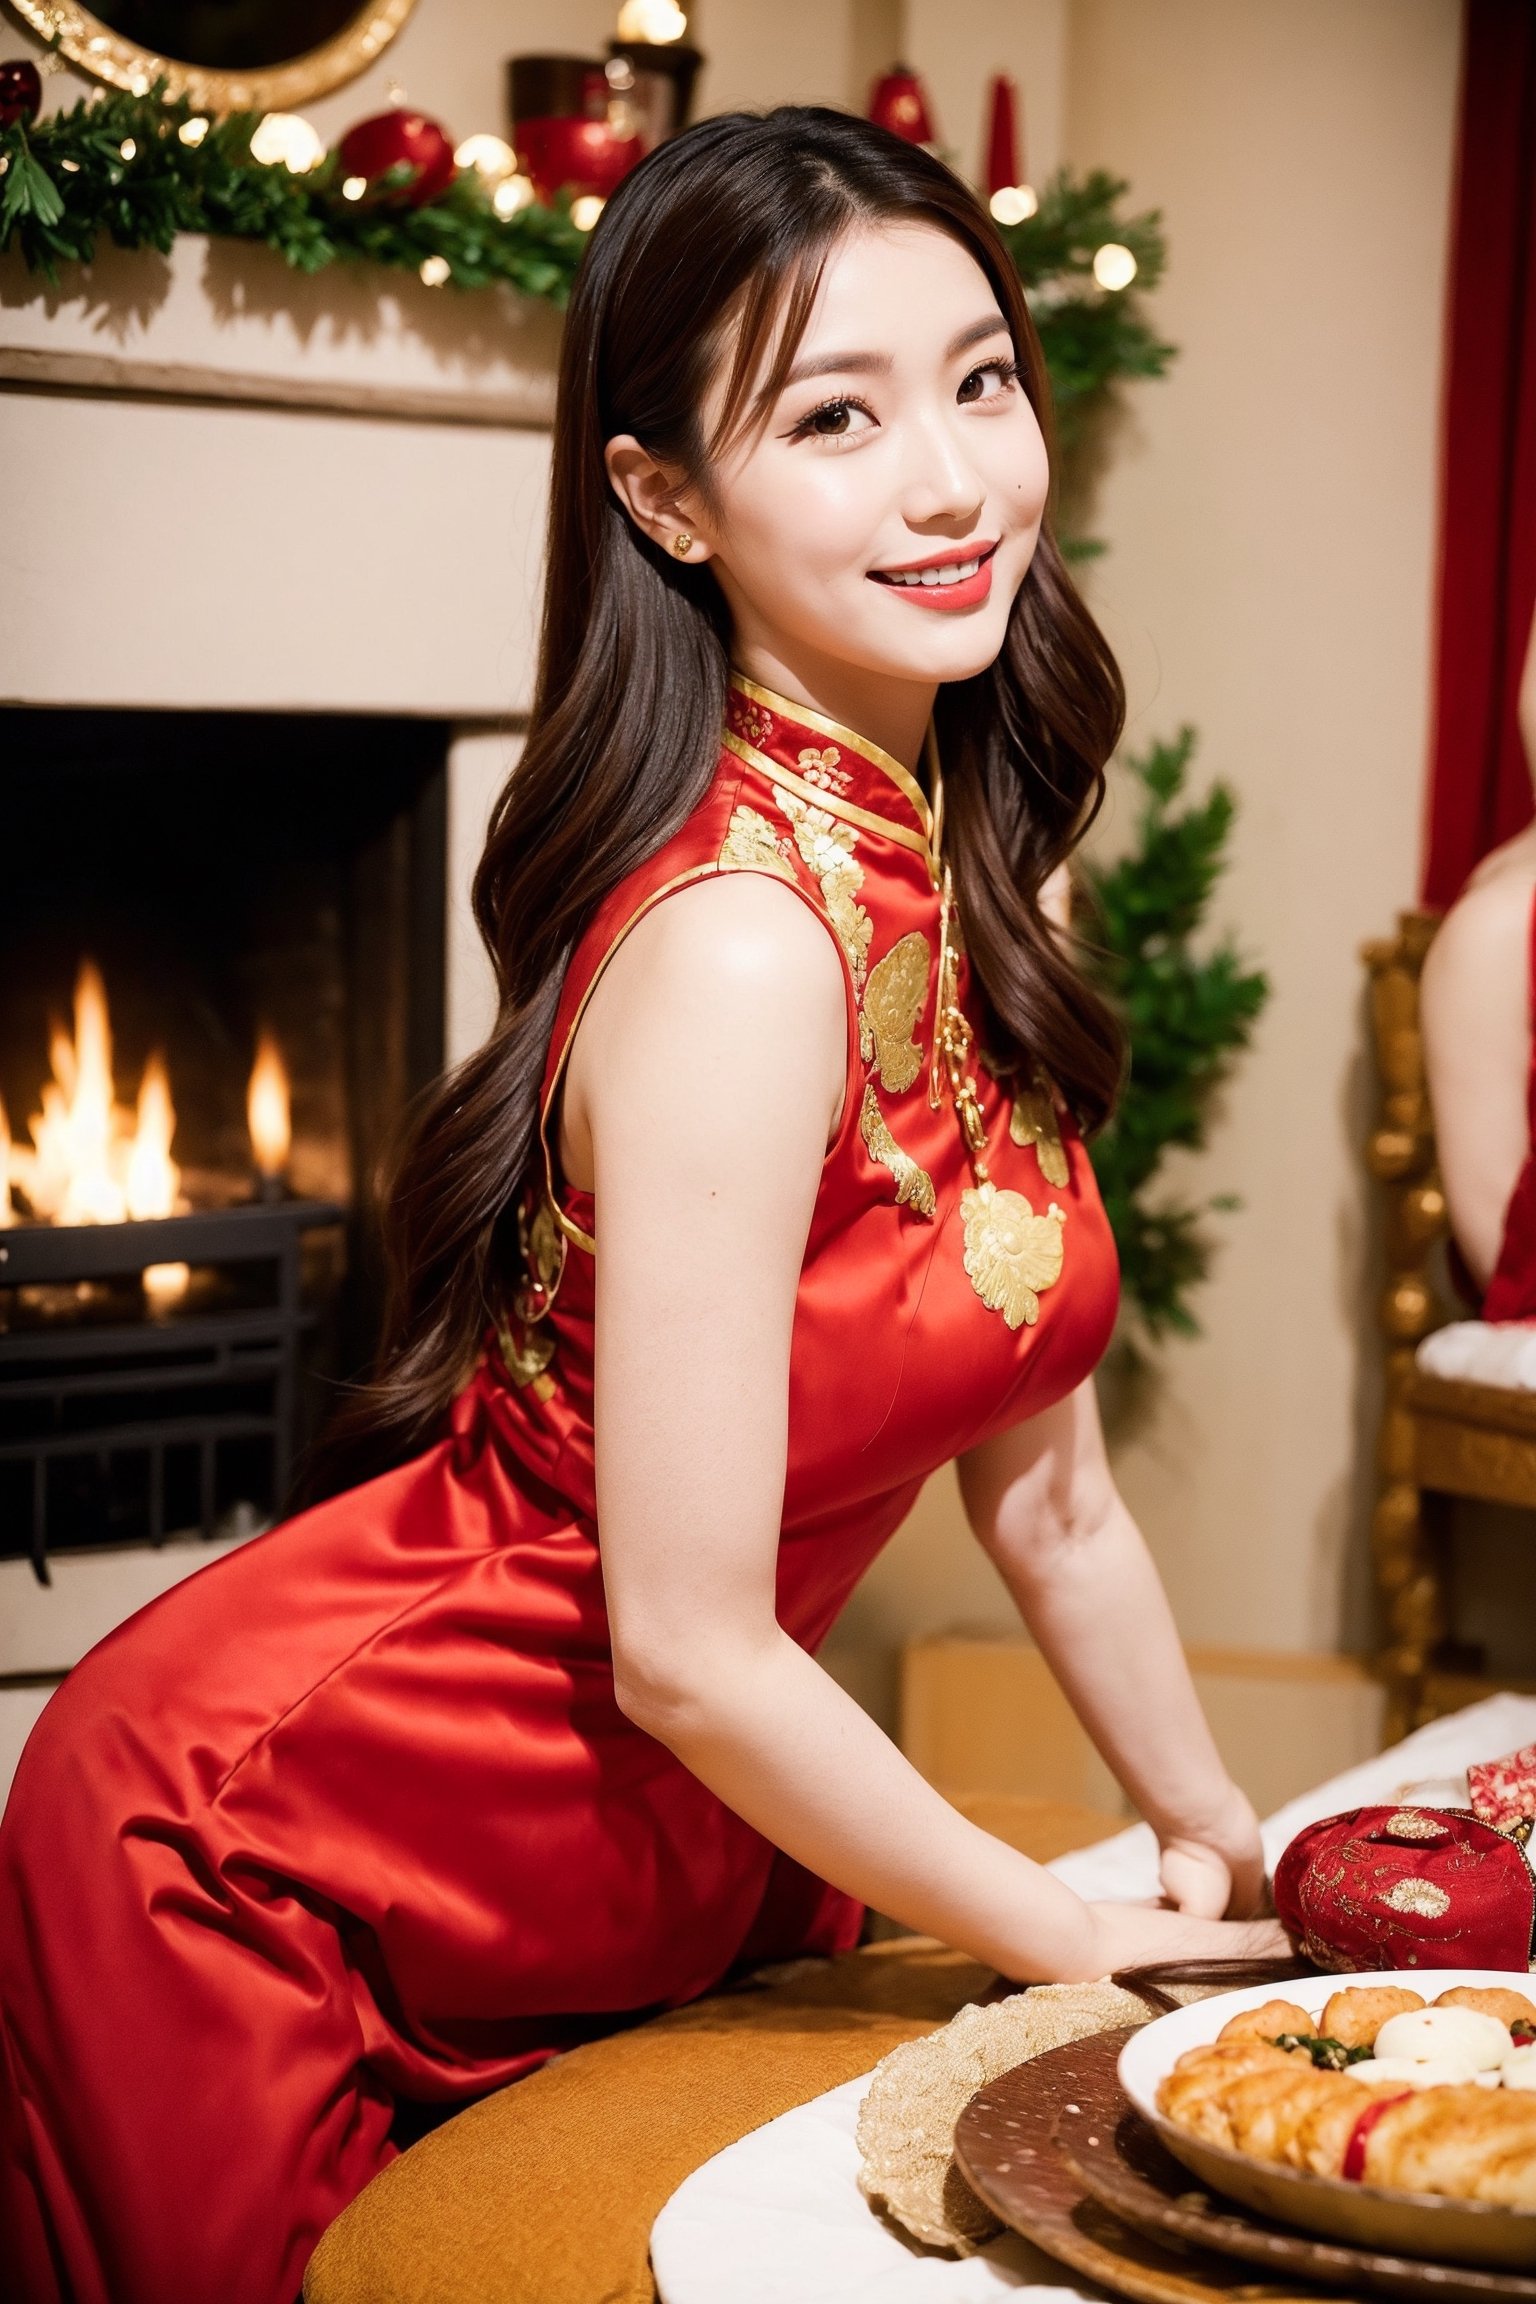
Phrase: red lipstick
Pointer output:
(962, 592)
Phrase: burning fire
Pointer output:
(93, 1160)
(266, 1110)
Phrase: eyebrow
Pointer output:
(879, 363)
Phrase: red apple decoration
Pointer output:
(574, 155)
(21, 91)
(392, 139)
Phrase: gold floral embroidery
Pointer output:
(1034, 1120)
(914, 1185)
(827, 844)
(1412, 1824)
(1422, 1898)
(751, 844)
(527, 1353)
(821, 768)
(749, 720)
(527, 1341)
(893, 1002)
(1010, 1252)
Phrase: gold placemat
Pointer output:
(545, 2193)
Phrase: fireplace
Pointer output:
(236, 921)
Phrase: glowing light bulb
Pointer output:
(512, 193)
(585, 211)
(127, 148)
(354, 187)
(192, 131)
(653, 21)
(435, 270)
(1114, 267)
(1013, 203)
(489, 156)
(287, 140)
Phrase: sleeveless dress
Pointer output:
(1512, 1287)
(351, 1816)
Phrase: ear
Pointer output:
(648, 493)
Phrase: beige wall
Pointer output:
(1271, 522)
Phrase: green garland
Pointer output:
(1186, 1015)
(64, 183)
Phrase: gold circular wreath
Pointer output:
(95, 48)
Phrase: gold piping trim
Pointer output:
(567, 1224)
(865, 818)
(936, 784)
(788, 709)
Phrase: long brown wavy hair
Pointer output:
(712, 249)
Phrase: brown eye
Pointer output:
(1002, 373)
(834, 420)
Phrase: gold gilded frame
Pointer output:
(94, 47)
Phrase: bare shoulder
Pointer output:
(1483, 940)
(733, 985)
(730, 943)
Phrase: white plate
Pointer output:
(1405, 2223)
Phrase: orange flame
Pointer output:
(267, 1108)
(92, 1161)
(7, 1211)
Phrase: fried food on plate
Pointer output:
(1358, 2013)
(1495, 2000)
(1268, 2022)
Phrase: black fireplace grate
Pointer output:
(121, 1425)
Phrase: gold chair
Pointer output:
(1439, 1439)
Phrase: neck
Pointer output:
(887, 711)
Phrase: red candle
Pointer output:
(1003, 168)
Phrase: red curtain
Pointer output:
(1480, 785)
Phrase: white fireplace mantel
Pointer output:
(231, 486)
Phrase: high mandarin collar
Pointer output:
(832, 767)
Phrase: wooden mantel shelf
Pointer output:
(224, 321)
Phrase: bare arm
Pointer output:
(706, 1080)
(1045, 1507)
(1475, 1007)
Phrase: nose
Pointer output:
(941, 484)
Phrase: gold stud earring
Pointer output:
(682, 544)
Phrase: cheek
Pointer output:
(810, 520)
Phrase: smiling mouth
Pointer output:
(937, 574)
(951, 582)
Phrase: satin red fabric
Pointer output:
(352, 1814)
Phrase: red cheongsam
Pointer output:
(352, 1815)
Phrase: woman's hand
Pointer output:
(1216, 1872)
(1144, 1935)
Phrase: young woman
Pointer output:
(765, 1198)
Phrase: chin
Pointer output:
(944, 647)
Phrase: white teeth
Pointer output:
(956, 573)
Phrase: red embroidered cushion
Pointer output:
(1404, 1887)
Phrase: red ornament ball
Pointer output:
(389, 139)
(21, 91)
(898, 101)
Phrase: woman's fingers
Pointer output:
(1196, 1880)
